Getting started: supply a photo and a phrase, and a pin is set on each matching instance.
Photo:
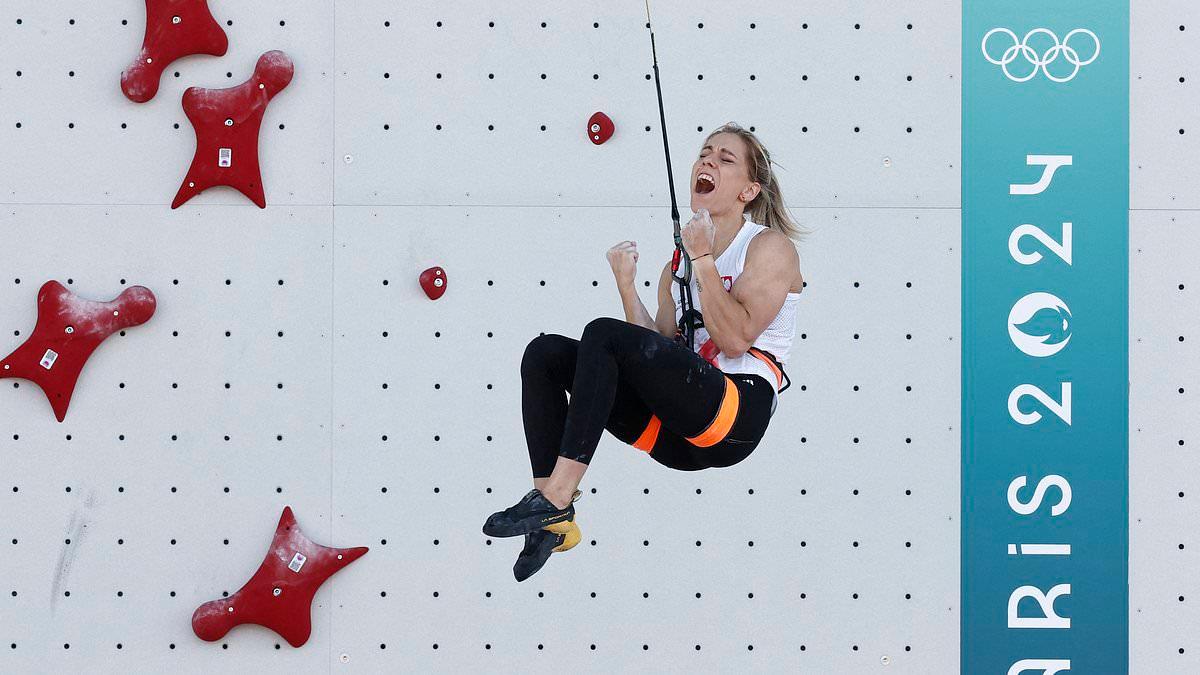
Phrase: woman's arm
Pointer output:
(735, 319)
(623, 259)
(665, 320)
(635, 310)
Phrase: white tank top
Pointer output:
(777, 338)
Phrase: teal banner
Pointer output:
(1045, 272)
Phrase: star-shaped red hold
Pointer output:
(279, 595)
(68, 330)
(227, 123)
(174, 29)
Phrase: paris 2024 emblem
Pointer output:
(1039, 324)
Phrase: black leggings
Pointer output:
(648, 390)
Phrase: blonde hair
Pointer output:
(767, 207)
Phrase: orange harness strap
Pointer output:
(645, 442)
(726, 415)
(755, 351)
(716, 432)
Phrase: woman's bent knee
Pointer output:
(603, 323)
(603, 328)
(540, 351)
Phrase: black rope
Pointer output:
(686, 328)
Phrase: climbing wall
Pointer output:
(293, 359)
(1164, 368)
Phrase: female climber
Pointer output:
(688, 409)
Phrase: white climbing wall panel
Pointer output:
(293, 360)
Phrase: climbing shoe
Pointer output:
(534, 512)
(538, 547)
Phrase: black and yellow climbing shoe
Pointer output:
(538, 547)
(534, 512)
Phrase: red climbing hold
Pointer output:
(279, 595)
(433, 280)
(600, 128)
(226, 123)
(174, 29)
(68, 330)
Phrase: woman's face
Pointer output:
(725, 159)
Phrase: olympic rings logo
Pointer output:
(1043, 60)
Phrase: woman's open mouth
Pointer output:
(704, 183)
